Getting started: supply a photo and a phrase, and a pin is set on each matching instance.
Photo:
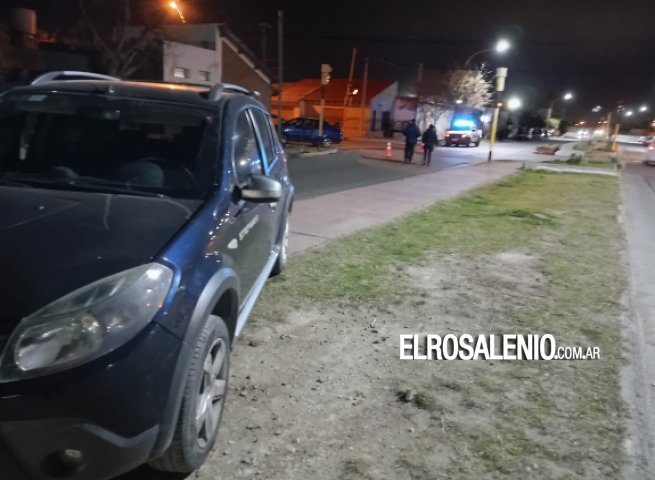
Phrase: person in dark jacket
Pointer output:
(429, 141)
(412, 134)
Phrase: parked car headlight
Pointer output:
(87, 323)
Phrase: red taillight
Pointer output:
(651, 147)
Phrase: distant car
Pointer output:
(305, 130)
(583, 133)
(649, 157)
(646, 140)
(463, 134)
(529, 134)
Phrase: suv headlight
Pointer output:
(86, 324)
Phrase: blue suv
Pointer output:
(139, 223)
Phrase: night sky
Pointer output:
(603, 51)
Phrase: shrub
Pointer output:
(574, 159)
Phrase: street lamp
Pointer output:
(514, 103)
(643, 108)
(177, 8)
(501, 47)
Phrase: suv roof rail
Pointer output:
(219, 88)
(63, 74)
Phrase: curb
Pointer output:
(566, 169)
(309, 153)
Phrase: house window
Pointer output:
(204, 76)
(179, 72)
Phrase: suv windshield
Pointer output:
(103, 143)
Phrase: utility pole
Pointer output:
(265, 27)
(280, 36)
(501, 75)
(350, 77)
(325, 79)
(362, 125)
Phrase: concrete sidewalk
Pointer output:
(323, 218)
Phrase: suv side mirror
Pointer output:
(262, 189)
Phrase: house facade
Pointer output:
(357, 116)
(206, 54)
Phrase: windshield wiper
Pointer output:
(109, 186)
(4, 182)
(85, 184)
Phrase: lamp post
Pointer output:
(567, 96)
(501, 46)
(501, 75)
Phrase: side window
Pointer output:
(262, 122)
(247, 157)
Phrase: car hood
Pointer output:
(53, 242)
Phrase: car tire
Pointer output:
(326, 143)
(281, 262)
(477, 144)
(203, 397)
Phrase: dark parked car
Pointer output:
(525, 133)
(139, 223)
(305, 130)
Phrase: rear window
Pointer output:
(139, 146)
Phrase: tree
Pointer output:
(441, 93)
(468, 88)
(531, 120)
(123, 48)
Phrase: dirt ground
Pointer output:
(317, 392)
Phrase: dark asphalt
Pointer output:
(344, 170)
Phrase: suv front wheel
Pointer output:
(202, 403)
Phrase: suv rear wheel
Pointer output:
(202, 403)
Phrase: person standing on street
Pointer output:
(412, 134)
(429, 141)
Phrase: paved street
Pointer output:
(364, 162)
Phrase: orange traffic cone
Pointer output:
(388, 149)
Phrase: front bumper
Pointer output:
(457, 140)
(37, 449)
(109, 413)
